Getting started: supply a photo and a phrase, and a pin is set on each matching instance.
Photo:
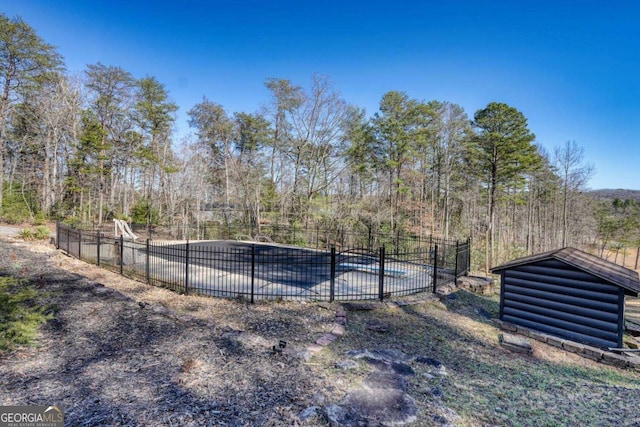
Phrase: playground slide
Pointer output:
(123, 229)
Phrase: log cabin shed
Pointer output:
(567, 293)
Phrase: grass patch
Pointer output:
(40, 233)
(21, 314)
(487, 385)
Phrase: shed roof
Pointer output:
(599, 267)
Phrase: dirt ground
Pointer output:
(120, 352)
(132, 354)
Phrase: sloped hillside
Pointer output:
(618, 193)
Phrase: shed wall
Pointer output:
(556, 298)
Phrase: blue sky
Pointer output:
(571, 67)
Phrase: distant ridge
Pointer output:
(619, 193)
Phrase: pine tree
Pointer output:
(502, 152)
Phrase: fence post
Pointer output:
(332, 280)
(435, 268)
(444, 248)
(146, 262)
(98, 249)
(69, 240)
(58, 235)
(121, 254)
(79, 244)
(381, 277)
(186, 270)
(468, 256)
(455, 271)
(253, 270)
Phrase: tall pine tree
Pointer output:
(502, 153)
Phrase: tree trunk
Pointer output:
(492, 205)
(1, 169)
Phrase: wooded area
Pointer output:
(101, 145)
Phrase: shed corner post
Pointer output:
(502, 274)
(621, 306)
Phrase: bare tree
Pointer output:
(574, 173)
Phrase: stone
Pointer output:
(347, 364)
(305, 355)
(555, 341)
(633, 361)
(253, 341)
(326, 339)
(101, 289)
(382, 406)
(592, 353)
(613, 359)
(538, 336)
(338, 416)
(309, 413)
(444, 291)
(377, 326)
(338, 330)
(314, 348)
(402, 368)
(384, 360)
(437, 368)
(159, 309)
(439, 419)
(573, 347)
(428, 361)
(381, 365)
(385, 380)
(387, 355)
(515, 343)
(369, 407)
(341, 321)
(441, 371)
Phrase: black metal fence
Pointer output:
(313, 236)
(255, 270)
